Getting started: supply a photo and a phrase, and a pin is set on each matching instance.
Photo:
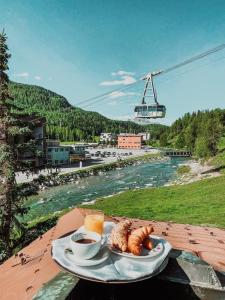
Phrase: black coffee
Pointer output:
(86, 241)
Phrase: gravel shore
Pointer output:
(197, 172)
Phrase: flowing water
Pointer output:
(151, 174)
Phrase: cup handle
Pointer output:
(104, 241)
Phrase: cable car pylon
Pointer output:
(146, 109)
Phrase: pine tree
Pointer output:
(11, 127)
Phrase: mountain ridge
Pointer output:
(68, 122)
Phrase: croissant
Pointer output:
(136, 238)
(148, 244)
(119, 235)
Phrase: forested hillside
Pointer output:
(69, 123)
(201, 132)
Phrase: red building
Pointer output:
(129, 141)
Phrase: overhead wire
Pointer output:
(102, 97)
(108, 93)
(194, 58)
(169, 79)
(190, 70)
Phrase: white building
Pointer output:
(107, 137)
(145, 136)
(79, 149)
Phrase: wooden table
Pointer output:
(198, 259)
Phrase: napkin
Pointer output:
(116, 267)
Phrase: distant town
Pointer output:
(53, 153)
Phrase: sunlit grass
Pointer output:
(201, 202)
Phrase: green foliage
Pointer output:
(69, 123)
(221, 144)
(11, 128)
(163, 139)
(219, 160)
(202, 147)
(180, 142)
(199, 203)
(198, 132)
(183, 170)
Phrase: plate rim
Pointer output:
(161, 268)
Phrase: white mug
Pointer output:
(89, 250)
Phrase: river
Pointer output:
(151, 174)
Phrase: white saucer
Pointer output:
(145, 254)
(102, 255)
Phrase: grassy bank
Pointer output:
(200, 203)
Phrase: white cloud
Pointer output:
(23, 74)
(37, 77)
(125, 80)
(118, 94)
(122, 73)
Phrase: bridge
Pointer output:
(177, 153)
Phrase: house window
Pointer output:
(56, 150)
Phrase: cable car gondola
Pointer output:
(152, 110)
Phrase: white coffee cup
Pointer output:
(85, 250)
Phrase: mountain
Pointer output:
(69, 123)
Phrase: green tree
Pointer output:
(163, 139)
(213, 133)
(202, 147)
(180, 142)
(11, 127)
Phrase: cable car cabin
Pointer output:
(151, 111)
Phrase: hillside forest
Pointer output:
(68, 123)
(201, 132)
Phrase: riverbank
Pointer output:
(196, 170)
(43, 182)
(197, 203)
(22, 177)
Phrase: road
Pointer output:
(22, 177)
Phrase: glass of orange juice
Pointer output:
(94, 221)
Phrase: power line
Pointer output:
(102, 97)
(194, 58)
(191, 70)
(108, 93)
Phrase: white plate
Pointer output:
(145, 254)
(102, 255)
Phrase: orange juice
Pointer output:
(94, 223)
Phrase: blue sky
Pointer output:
(83, 48)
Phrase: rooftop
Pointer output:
(23, 275)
